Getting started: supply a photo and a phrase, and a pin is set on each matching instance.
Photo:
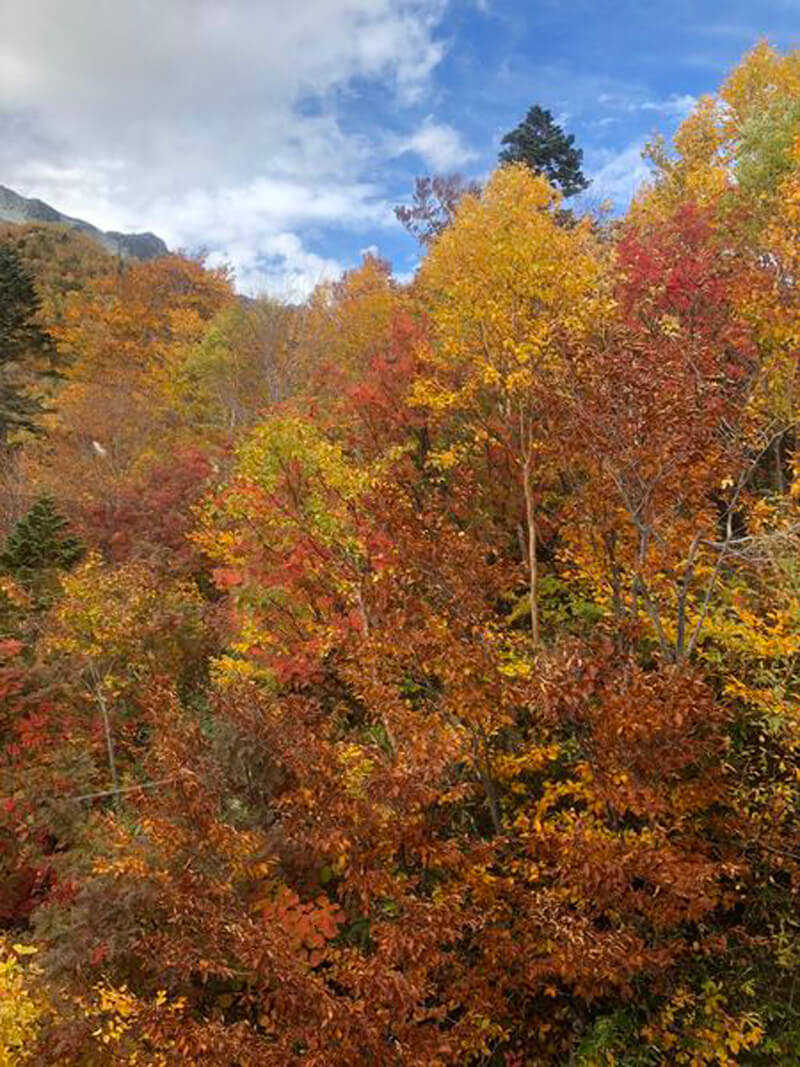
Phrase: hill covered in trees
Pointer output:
(410, 677)
(23, 210)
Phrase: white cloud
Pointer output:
(269, 205)
(619, 175)
(253, 226)
(677, 105)
(281, 266)
(438, 144)
(184, 116)
(405, 277)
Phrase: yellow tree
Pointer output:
(124, 337)
(783, 238)
(348, 322)
(21, 1006)
(504, 286)
(247, 359)
(736, 142)
(694, 170)
(117, 628)
(287, 540)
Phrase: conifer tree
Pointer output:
(26, 350)
(39, 543)
(542, 145)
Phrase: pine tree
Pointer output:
(542, 145)
(38, 544)
(26, 350)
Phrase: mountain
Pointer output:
(16, 208)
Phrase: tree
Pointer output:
(26, 350)
(127, 338)
(660, 407)
(114, 628)
(152, 514)
(735, 148)
(542, 145)
(504, 284)
(433, 205)
(39, 543)
(292, 547)
(20, 1008)
(60, 261)
(246, 360)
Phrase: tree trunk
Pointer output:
(112, 763)
(777, 453)
(487, 781)
(530, 519)
(362, 610)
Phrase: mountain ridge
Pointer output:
(15, 208)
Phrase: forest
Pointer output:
(409, 677)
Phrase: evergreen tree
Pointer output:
(26, 350)
(39, 544)
(542, 145)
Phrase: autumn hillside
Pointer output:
(409, 678)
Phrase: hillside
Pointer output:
(19, 209)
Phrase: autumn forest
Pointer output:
(409, 677)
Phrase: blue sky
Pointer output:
(612, 73)
(280, 137)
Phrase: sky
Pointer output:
(277, 135)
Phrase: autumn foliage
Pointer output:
(410, 677)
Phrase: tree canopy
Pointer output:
(408, 678)
(541, 144)
(26, 350)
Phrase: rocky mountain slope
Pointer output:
(16, 208)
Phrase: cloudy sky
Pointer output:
(278, 134)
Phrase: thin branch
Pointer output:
(683, 595)
(102, 793)
(725, 544)
(124, 789)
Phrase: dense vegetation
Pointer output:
(410, 677)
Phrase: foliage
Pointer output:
(20, 1008)
(122, 625)
(433, 205)
(661, 397)
(540, 144)
(127, 337)
(26, 350)
(38, 545)
(427, 693)
(734, 149)
(507, 284)
(245, 360)
(152, 513)
(60, 261)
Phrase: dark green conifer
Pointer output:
(542, 145)
(38, 544)
(27, 352)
